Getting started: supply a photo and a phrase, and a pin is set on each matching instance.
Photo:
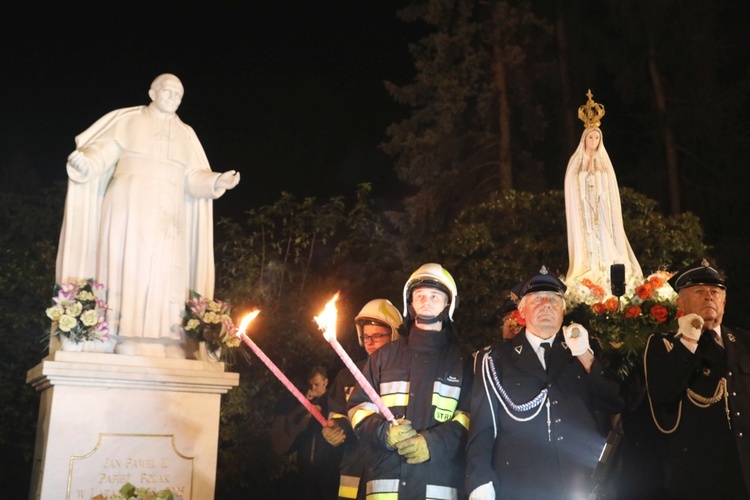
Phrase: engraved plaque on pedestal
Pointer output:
(144, 460)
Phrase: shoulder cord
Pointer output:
(490, 378)
(720, 393)
(705, 402)
(695, 398)
(648, 396)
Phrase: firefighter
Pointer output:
(378, 323)
(424, 378)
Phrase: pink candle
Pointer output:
(275, 370)
(327, 323)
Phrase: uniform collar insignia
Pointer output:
(730, 337)
(565, 345)
(518, 349)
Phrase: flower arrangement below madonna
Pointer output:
(622, 325)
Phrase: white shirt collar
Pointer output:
(536, 341)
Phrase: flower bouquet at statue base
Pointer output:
(130, 492)
(211, 333)
(79, 316)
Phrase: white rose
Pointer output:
(211, 317)
(85, 295)
(54, 313)
(74, 309)
(233, 341)
(90, 317)
(67, 323)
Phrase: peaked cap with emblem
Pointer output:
(542, 282)
(699, 272)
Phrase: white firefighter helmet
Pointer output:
(379, 311)
(434, 276)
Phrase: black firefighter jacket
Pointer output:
(425, 378)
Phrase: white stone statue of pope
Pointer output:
(138, 219)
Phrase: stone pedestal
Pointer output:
(108, 419)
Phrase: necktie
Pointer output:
(711, 349)
(715, 336)
(546, 346)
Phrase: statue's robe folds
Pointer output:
(593, 213)
(140, 221)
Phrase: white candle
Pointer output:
(275, 370)
(327, 323)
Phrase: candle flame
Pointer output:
(327, 319)
(246, 321)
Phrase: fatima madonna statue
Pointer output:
(596, 237)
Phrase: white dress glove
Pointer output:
(484, 492)
(690, 326)
(577, 338)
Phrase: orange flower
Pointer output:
(660, 313)
(599, 308)
(516, 316)
(656, 282)
(596, 290)
(644, 291)
(612, 304)
(632, 311)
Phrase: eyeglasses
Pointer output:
(375, 338)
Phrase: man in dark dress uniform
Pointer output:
(698, 382)
(534, 430)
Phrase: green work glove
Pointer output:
(414, 449)
(398, 431)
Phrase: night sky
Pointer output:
(291, 96)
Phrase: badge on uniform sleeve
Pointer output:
(518, 349)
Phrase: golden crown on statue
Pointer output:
(591, 113)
